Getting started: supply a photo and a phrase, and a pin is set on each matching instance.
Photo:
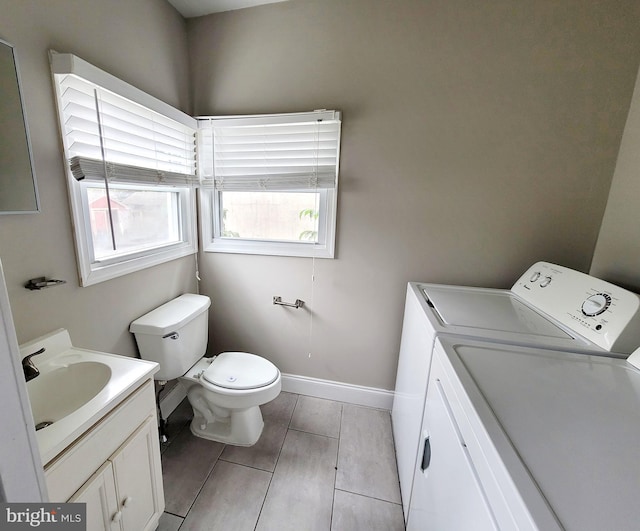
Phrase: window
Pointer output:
(131, 172)
(143, 219)
(269, 183)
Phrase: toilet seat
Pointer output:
(238, 371)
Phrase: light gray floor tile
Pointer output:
(182, 414)
(264, 454)
(230, 500)
(366, 461)
(316, 415)
(352, 512)
(280, 409)
(186, 463)
(300, 496)
(177, 421)
(169, 522)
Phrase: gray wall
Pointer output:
(477, 138)
(144, 43)
(617, 254)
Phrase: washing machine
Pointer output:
(549, 306)
(527, 439)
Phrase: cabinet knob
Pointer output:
(127, 501)
(117, 517)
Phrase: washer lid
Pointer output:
(572, 420)
(489, 309)
(239, 370)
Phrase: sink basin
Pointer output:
(76, 388)
(57, 393)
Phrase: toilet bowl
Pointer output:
(225, 391)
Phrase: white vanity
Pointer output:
(99, 436)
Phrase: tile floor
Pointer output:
(319, 465)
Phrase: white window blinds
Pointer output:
(109, 135)
(270, 152)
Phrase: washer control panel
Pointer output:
(603, 313)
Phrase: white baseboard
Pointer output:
(341, 392)
(304, 385)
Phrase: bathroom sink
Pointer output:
(63, 390)
(75, 388)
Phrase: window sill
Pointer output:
(294, 249)
(97, 273)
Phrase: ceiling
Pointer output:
(197, 8)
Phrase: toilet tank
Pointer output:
(174, 334)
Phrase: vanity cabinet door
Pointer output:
(99, 493)
(138, 479)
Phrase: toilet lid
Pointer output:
(239, 370)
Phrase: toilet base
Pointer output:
(242, 427)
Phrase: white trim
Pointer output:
(21, 472)
(304, 385)
(339, 391)
(210, 227)
(93, 272)
(170, 401)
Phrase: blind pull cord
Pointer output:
(313, 281)
(313, 258)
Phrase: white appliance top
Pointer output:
(572, 420)
(489, 309)
(550, 306)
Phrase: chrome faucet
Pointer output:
(30, 370)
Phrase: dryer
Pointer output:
(549, 306)
(527, 439)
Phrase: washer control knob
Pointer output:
(535, 276)
(596, 304)
(545, 282)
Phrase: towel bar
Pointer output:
(297, 304)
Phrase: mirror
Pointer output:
(18, 192)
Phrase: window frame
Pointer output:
(214, 242)
(94, 271)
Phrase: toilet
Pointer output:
(225, 391)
